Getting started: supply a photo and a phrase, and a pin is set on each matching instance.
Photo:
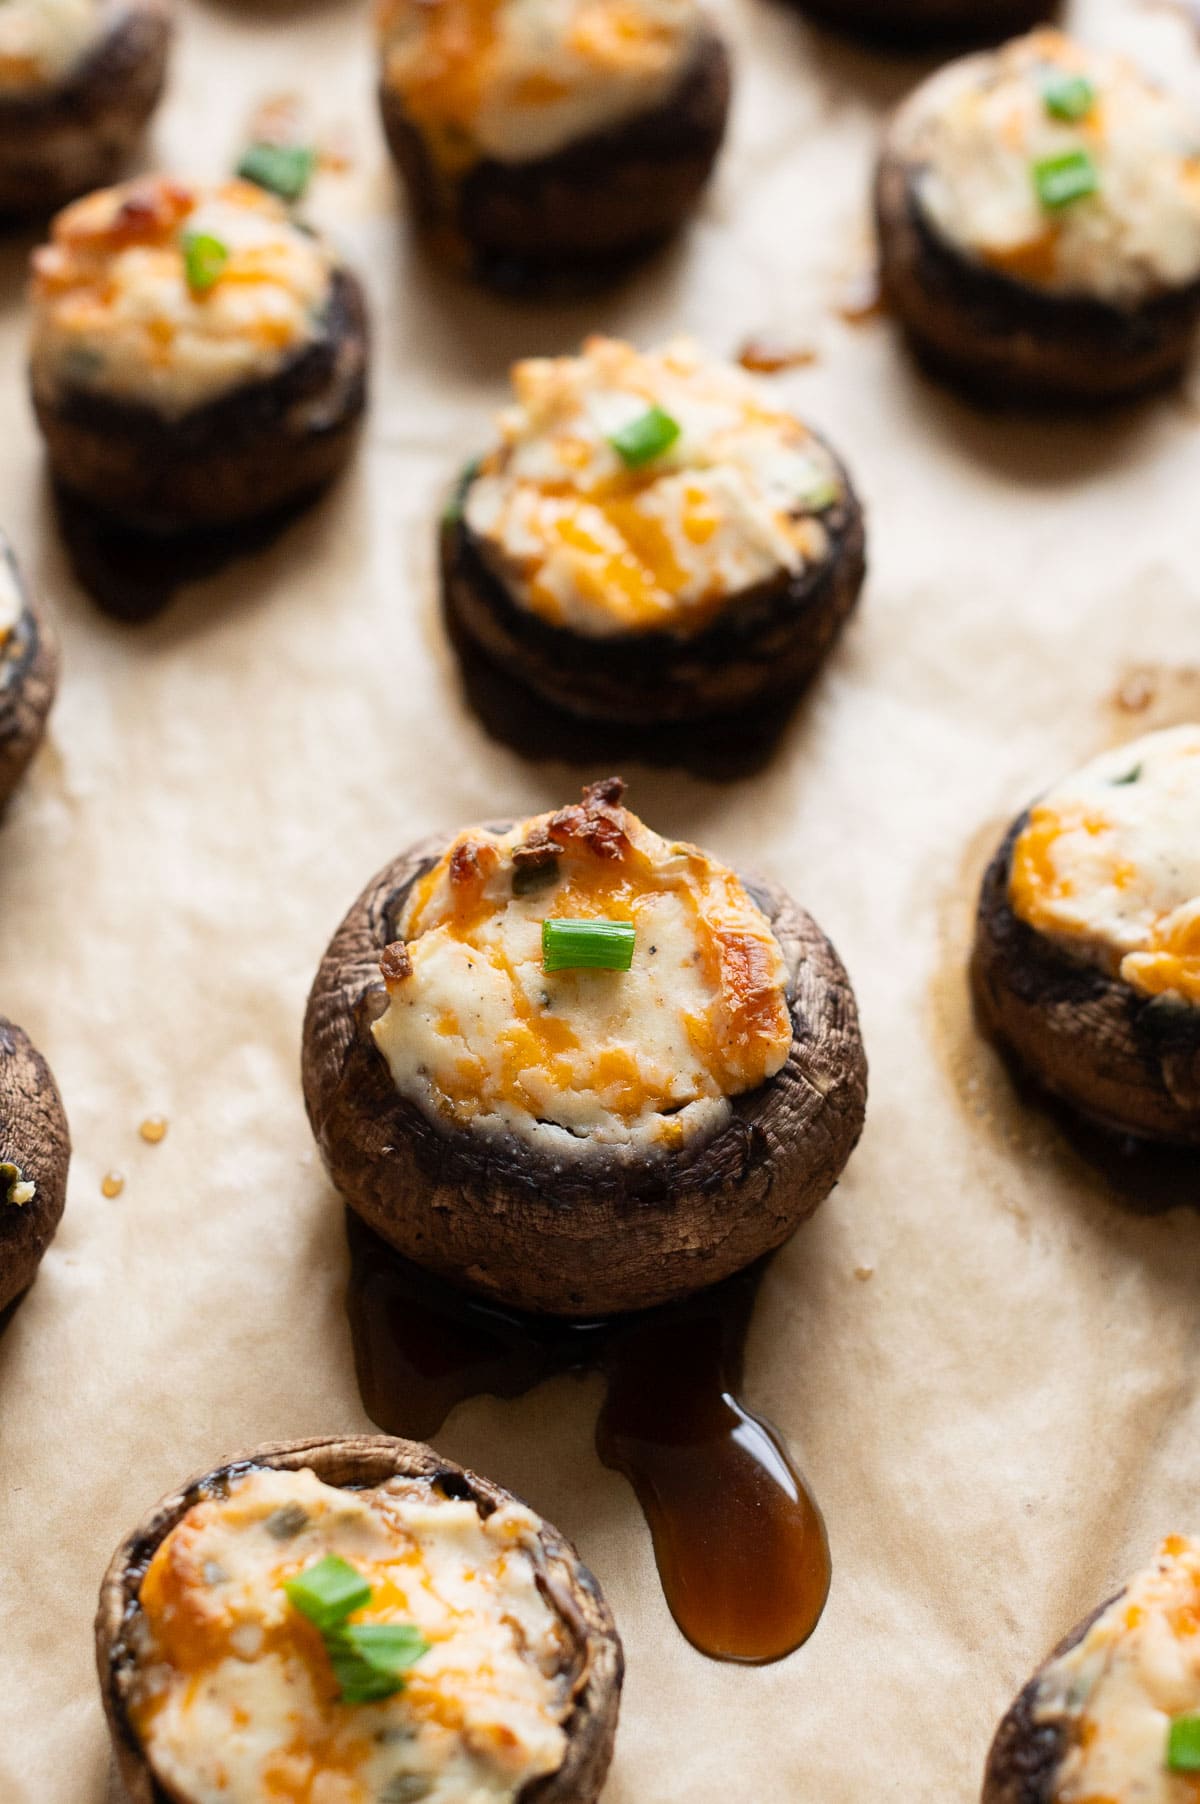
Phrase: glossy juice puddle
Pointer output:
(739, 1540)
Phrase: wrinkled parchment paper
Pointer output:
(986, 1365)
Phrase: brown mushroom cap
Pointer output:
(33, 1136)
(59, 142)
(1003, 338)
(599, 1233)
(28, 682)
(359, 1462)
(586, 211)
(1127, 1061)
(261, 446)
(765, 644)
(1028, 1748)
(929, 21)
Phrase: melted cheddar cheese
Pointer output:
(234, 1700)
(519, 79)
(976, 131)
(1118, 1688)
(42, 41)
(1108, 864)
(587, 543)
(113, 311)
(478, 1033)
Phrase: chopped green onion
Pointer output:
(587, 945)
(283, 169)
(369, 1659)
(328, 1592)
(1069, 97)
(1183, 1745)
(1131, 776)
(204, 258)
(1062, 179)
(822, 493)
(645, 438)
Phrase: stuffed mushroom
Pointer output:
(930, 21)
(198, 358)
(35, 1150)
(78, 81)
(28, 673)
(578, 1067)
(651, 540)
(545, 145)
(1114, 1713)
(1087, 949)
(359, 1621)
(1038, 212)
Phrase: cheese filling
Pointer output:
(114, 311)
(979, 131)
(586, 542)
(1118, 1689)
(235, 1701)
(1108, 864)
(519, 79)
(477, 1033)
(41, 41)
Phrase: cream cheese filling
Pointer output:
(1108, 864)
(977, 131)
(235, 1701)
(520, 79)
(586, 542)
(478, 1034)
(42, 41)
(1137, 1667)
(114, 311)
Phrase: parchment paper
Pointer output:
(1001, 1419)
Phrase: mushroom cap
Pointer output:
(361, 1462)
(598, 1234)
(58, 142)
(34, 1136)
(764, 644)
(1028, 1747)
(578, 217)
(1126, 1061)
(28, 684)
(1003, 338)
(260, 447)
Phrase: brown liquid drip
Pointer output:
(739, 1540)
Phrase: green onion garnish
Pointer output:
(587, 945)
(283, 169)
(328, 1592)
(1131, 776)
(204, 257)
(14, 1185)
(1062, 179)
(1183, 1745)
(645, 438)
(369, 1659)
(1069, 97)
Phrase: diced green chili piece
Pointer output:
(1183, 1744)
